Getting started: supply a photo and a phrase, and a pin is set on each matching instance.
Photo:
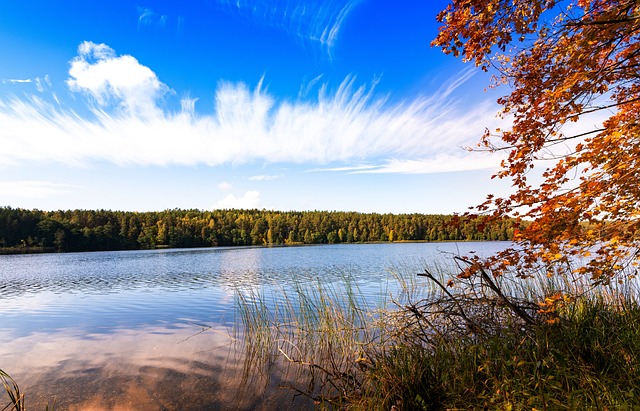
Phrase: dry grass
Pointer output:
(482, 344)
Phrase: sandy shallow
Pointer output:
(148, 369)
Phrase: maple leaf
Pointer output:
(582, 58)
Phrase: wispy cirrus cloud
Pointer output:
(17, 81)
(33, 189)
(350, 168)
(264, 177)
(312, 21)
(442, 163)
(148, 17)
(41, 83)
(346, 127)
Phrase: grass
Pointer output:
(483, 344)
(12, 389)
(16, 396)
(304, 324)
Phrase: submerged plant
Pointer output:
(13, 391)
(16, 396)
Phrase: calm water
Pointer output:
(151, 330)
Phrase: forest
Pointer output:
(24, 230)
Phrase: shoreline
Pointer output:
(52, 250)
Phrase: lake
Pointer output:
(155, 330)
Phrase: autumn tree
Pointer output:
(572, 142)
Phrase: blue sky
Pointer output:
(276, 104)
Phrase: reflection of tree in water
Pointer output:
(241, 268)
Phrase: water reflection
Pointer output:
(171, 270)
(152, 368)
(241, 268)
(122, 330)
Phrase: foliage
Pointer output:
(455, 348)
(573, 69)
(87, 230)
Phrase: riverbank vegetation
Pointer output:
(552, 322)
(15, 396)
(91, 230)
(484, 344)
(571, 135)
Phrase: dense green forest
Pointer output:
(91, 230)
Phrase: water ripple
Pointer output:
(106, 290)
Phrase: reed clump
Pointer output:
(485, 343)
(15, 395)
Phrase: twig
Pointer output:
(469, 322)
(516, 309)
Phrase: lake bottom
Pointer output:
(146, 370)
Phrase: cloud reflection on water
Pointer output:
(154, 368)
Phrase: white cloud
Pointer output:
(122, 80)
(32, 189)
(250, 199)
(188, 105)
(224, 186)
(331, 30)
(264, 177)
(305, 88)
(440, 164)
(353, 168)
(17, 81)
(41, 83)
(348, 127)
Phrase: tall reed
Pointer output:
(16, 396)
(13, 391)
(486, 343)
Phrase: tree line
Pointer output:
(101, 230)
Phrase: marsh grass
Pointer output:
(292, 332)
(16, 396)
(481, 344)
